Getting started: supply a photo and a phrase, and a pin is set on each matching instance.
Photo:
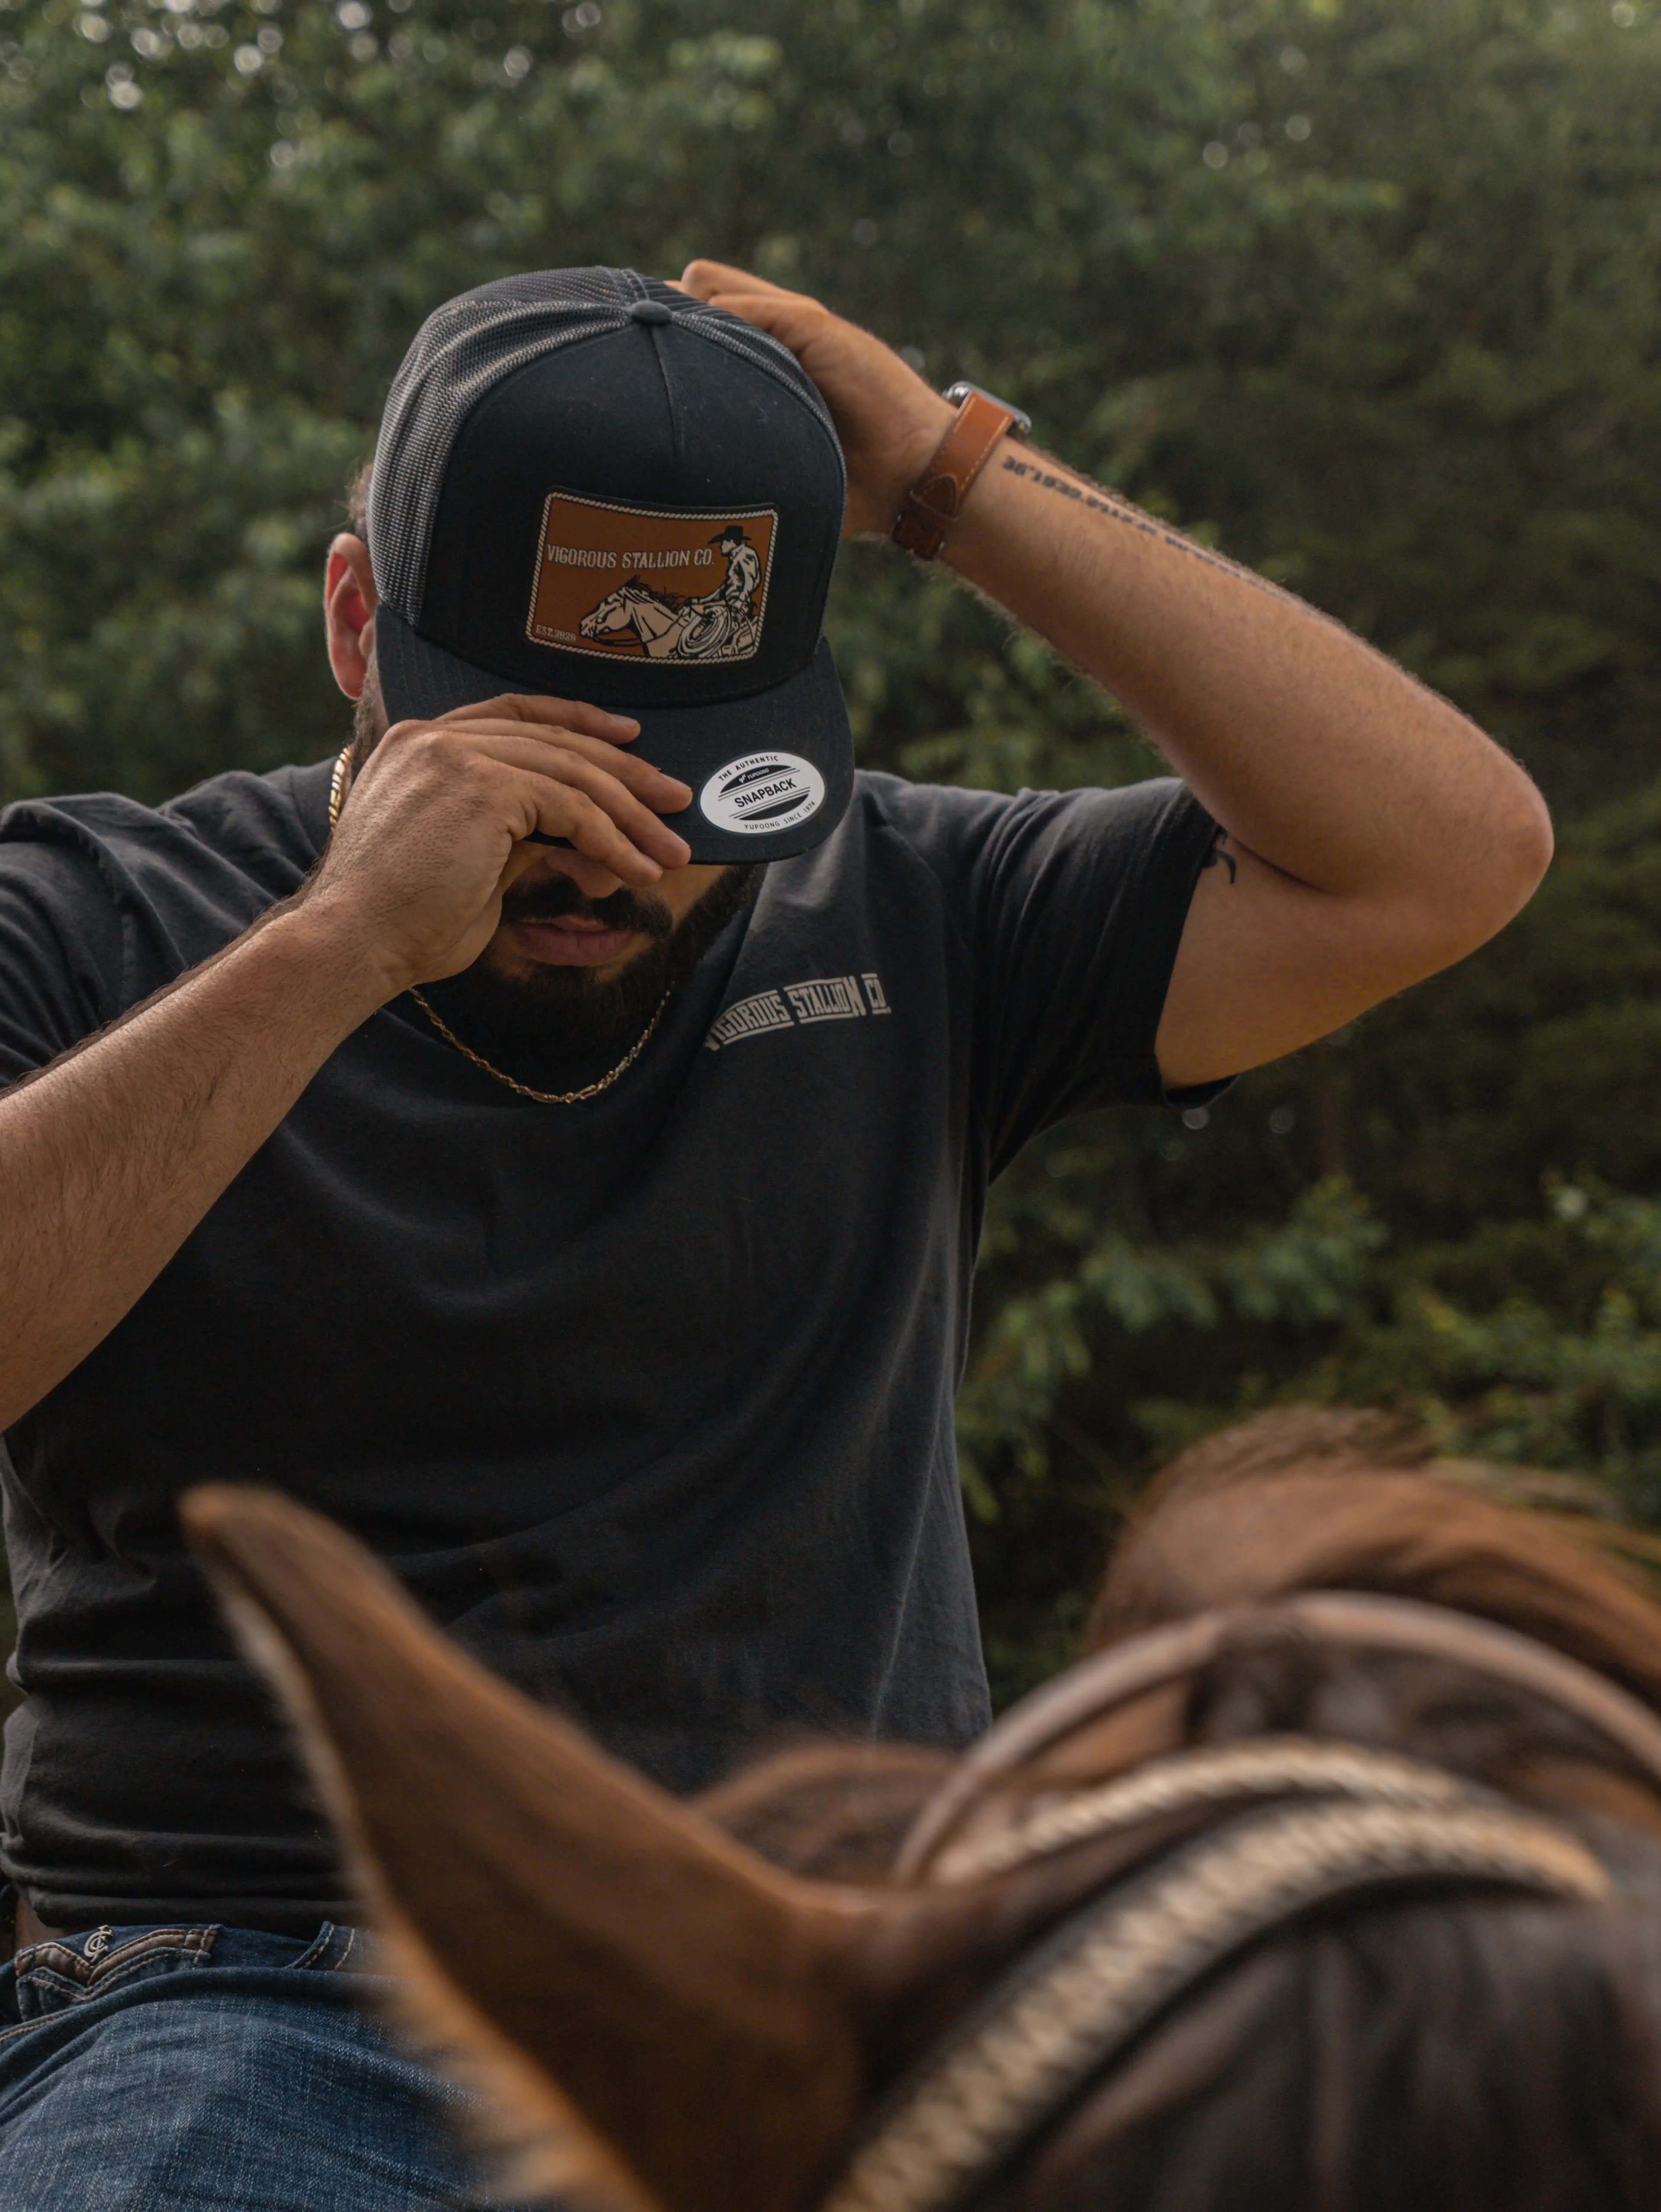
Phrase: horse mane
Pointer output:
(1310, 1498)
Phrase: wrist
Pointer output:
(922, 442)
(976, 425)
(325, 948)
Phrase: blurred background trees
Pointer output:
(1364, 291)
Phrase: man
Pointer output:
(553, 1138)
(734, 595)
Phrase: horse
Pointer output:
(1328, 1880)
(668, 628)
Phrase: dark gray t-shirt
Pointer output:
(649, 1400)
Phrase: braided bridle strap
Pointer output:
(1228, 1777)
(1075, 2001)
(1327, 1619)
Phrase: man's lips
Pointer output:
(572, 941)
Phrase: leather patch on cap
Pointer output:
(651, 583)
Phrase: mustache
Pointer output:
(556, 897)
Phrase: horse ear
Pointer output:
(666, 2018)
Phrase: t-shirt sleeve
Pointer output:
(60, 954)
(1073, 905)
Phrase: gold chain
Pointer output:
(336, 797)
(338, 787)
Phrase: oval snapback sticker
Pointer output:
(763, 793)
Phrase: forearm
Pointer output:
(1317, 753)
(112, 1156)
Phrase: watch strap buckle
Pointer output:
(935, 501)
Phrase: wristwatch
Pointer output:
(935, 501)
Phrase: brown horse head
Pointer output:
(692, 2008)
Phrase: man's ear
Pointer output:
(348, 606)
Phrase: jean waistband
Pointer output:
(90, 1955)
(97, 1971)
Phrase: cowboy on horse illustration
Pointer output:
(719, 626)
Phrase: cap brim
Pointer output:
(805, 718)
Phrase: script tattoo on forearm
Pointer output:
(1121, 511)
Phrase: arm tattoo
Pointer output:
(1121, 511)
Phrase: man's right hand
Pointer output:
(111, 1156)
(436, 823)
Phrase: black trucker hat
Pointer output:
(589, 484)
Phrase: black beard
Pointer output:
(369, 725)
(558, 1027)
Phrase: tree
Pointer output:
(1364, 291)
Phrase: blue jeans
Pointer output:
(216, 2069)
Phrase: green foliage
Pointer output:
(1438, 1209)
(1364, 291)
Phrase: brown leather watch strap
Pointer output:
(935, 501)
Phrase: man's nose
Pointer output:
(592, 878)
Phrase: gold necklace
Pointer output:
(337, 800)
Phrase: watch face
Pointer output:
(956, 393)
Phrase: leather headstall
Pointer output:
(1294, 1824)
(1114, 1678)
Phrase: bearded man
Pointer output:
(553, 1138)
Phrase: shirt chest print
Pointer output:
(798, 1006)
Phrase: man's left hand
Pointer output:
(889, 420)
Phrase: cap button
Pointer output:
(651, 310)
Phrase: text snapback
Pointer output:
(590, 484)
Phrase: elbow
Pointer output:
(1477, 890)
(1534, 838)
(1489, 876)
(1523, 849)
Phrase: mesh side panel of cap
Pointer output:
(470, 343)
(460, 351)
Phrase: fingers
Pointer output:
(584, 788)
(536, 775)
(703, 279)
(790, 317)
(560, 714)
(606, 825)
(515, 744)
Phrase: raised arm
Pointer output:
(1373, 834)
(110, 1157)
